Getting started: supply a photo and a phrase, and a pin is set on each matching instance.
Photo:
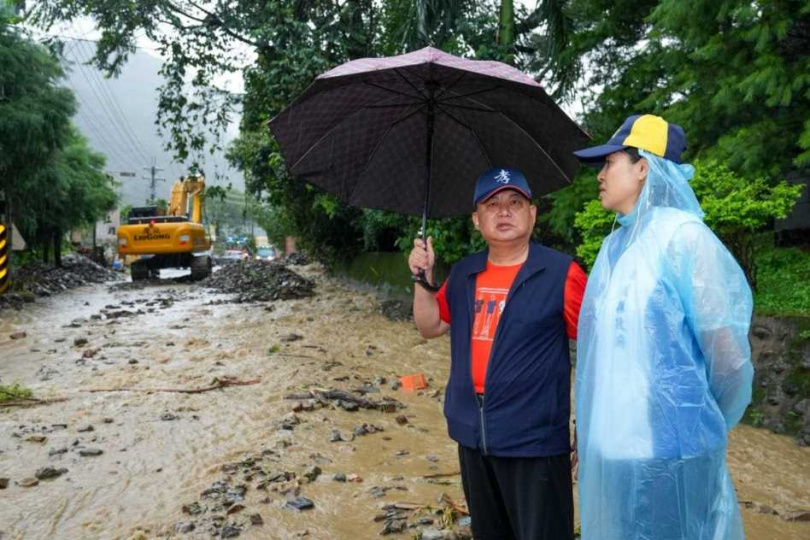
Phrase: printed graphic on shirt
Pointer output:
(489, 304)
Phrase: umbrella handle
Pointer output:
(421, 279)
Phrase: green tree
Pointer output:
(71, 192)
(34, 115)
(733, 73)
(294, 41)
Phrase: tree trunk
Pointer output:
(57, 248)
(44, 244)
(506, 29)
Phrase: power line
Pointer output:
(121, 115)
(86, 40)
(113, 142)
(97, 126)
(114, 106)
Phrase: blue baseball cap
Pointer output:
(644, 131)
(500, 179)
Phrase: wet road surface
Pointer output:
(160, 449)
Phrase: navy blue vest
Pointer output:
(527, 390)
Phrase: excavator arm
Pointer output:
(184, 189)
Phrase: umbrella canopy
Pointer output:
(411, 133)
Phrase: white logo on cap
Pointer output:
(503, 177)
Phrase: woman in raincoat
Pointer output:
(663, 360)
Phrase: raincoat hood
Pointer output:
(667, 186)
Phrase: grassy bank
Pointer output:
(783, 282)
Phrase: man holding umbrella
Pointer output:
(408, 134)
(510, 311)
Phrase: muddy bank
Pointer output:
(188, 414)
(37, 280)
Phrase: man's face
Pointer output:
(505, 217)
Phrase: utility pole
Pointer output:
(153, 180)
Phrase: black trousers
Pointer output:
(518, 498)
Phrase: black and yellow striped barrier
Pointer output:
(5, 278)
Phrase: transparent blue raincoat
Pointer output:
(663, 372)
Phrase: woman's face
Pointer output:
(620, 182)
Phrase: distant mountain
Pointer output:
(118, 117)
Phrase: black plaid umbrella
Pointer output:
(411, 133)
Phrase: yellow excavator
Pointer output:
(174, 239)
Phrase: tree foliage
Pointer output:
(52, 179)
(735, 74)
(34, 111)
(293, 42)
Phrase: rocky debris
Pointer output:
(37, 280)
(446, 520)
(288, 422)
(367, 429)
(396, 310)
(312, 473)
(184, 527)
(80, 342)
(226, 499)
(258, 281)
(336, 436)
(48, 473)
(46, 373)
(28, 482)
(193, 509)
(402, 420)
(348, 401)
(297, 259)
(4, 483)
(230, 531)
(18, 335)
(798, 515)
(300, 503)
(146, 283)
(90, 452)
(394, 526)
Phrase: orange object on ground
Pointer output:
(413, 382)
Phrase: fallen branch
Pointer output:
(31, 402)
(441, 475)
(224, 382)
(406, 506)
(449, 502)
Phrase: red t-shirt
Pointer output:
(491, 288)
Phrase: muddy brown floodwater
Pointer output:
(160, 451)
